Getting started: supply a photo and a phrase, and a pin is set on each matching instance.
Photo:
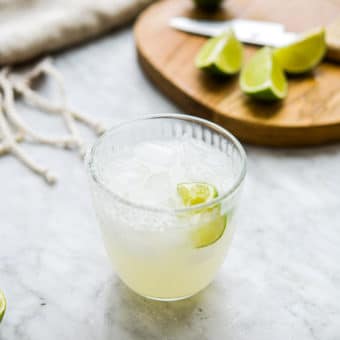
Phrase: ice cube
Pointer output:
(158, 189)
(155, 155)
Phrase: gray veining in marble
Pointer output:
(281, 279)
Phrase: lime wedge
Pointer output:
(304, 54)
(196, 193)
(2, 305)
(208, 232)
(208, 4)
(221, 55)
(263, 78)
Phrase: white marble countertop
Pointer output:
(281, 279)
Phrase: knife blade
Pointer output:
(248, 31)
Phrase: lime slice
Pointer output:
(304, 54)
(208, 4)
(2, 305)
(263, 78)
(221, 55)
(209, 232)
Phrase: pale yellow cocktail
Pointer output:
(165, 190)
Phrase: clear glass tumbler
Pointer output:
(148, 246)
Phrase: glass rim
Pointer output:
(91, 153)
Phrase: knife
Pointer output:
(248, 31)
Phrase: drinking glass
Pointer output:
(149, 246)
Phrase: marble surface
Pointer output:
(281, 279)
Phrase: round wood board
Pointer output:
(310, 115)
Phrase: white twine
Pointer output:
(14, 130)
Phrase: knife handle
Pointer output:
(333, 41)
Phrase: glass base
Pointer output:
(164, 299)
(168, 299)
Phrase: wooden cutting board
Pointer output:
(310, 114)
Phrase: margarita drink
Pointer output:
(165, 204)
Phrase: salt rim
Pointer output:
(91, 153)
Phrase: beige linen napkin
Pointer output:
(29, 28)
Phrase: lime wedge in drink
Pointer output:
(2, 305)
(209, 233)
(198, 193)
(304, 54)
(208, 4)
(263, 78)
(221, 55)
